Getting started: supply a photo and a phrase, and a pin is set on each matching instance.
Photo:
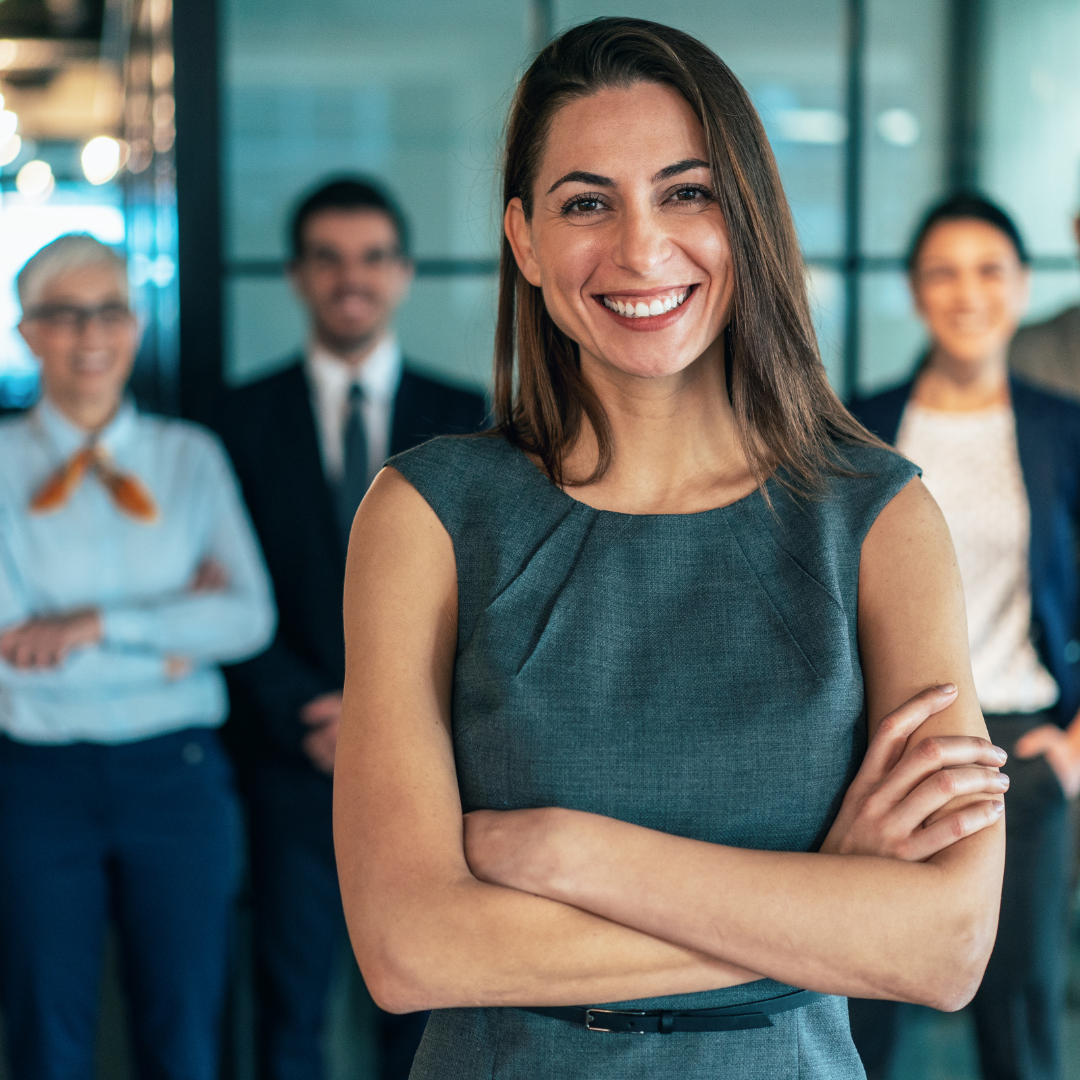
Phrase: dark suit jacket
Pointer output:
(269, 430)
(1048, 436)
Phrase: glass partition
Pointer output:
(413, 94)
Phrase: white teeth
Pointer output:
(644, 310)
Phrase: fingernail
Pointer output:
(947, 688)
(1004, 780)
(1001, 753)
(997, 806)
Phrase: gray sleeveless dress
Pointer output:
(695, 673)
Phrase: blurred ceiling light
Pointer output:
(8, 51)
(10, 150)
(101, 159)
(9, 124)
(825, 127)
(898, 126)
(35, 181)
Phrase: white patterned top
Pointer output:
(971, 465)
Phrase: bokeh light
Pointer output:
(101, 159)
(35, 181)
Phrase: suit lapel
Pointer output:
(1036, 467)
(403, 417)
(302, 459)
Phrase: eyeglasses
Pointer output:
(372, 259)
(111, 316)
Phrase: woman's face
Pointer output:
(970, 289)
(626, 239)
(85, 337)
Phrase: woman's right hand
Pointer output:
(893, 807)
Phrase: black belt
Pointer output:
(754, 1014)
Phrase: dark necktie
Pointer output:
(354, 481)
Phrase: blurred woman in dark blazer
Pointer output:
(1002, 459)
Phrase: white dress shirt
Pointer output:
(330, 379)
(971, 465)
(90, 554)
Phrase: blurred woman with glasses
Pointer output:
(128, 572)
(1002, 459)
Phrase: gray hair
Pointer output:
(72, 251)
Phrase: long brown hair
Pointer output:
(786, 412)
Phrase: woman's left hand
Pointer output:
(45, 642)
(1061, 750)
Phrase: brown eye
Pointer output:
(692, 196)
(583, 204)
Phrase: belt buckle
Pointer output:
(593, 1025)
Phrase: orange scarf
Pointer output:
(127, 492)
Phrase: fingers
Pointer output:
(931, 756)
(1037, 741)
(32, 646)
(940, 789)
(967, 821)
(890, 739)
(321, 749)
(210, 577)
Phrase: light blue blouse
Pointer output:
(90, 554)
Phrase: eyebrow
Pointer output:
(596, 180)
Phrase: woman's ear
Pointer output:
(516, 227)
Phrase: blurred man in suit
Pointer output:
(306, 443)
(1048, 353)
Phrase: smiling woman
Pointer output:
(1003, 459)
(128, 572)
(660, 684)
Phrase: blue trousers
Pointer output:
(146, 834)
(300, 926)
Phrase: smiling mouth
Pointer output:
(648, 308)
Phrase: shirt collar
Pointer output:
(378, 375)
(67, 437)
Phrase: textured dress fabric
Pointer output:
(693, 673)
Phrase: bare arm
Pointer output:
(838, 922)
(426, 932)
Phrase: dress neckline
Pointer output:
(545, 481)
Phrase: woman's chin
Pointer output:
(653, 363)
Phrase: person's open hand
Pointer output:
(45, 642)
(893, 805)
(1061, 750)
(323, 716)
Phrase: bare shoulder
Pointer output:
(911, 519)
(912, 618)
(398, 543)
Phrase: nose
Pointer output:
(643, 244)
(92, 333)
(969, 289)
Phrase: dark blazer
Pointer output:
(1048, 436)
(269, 430)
